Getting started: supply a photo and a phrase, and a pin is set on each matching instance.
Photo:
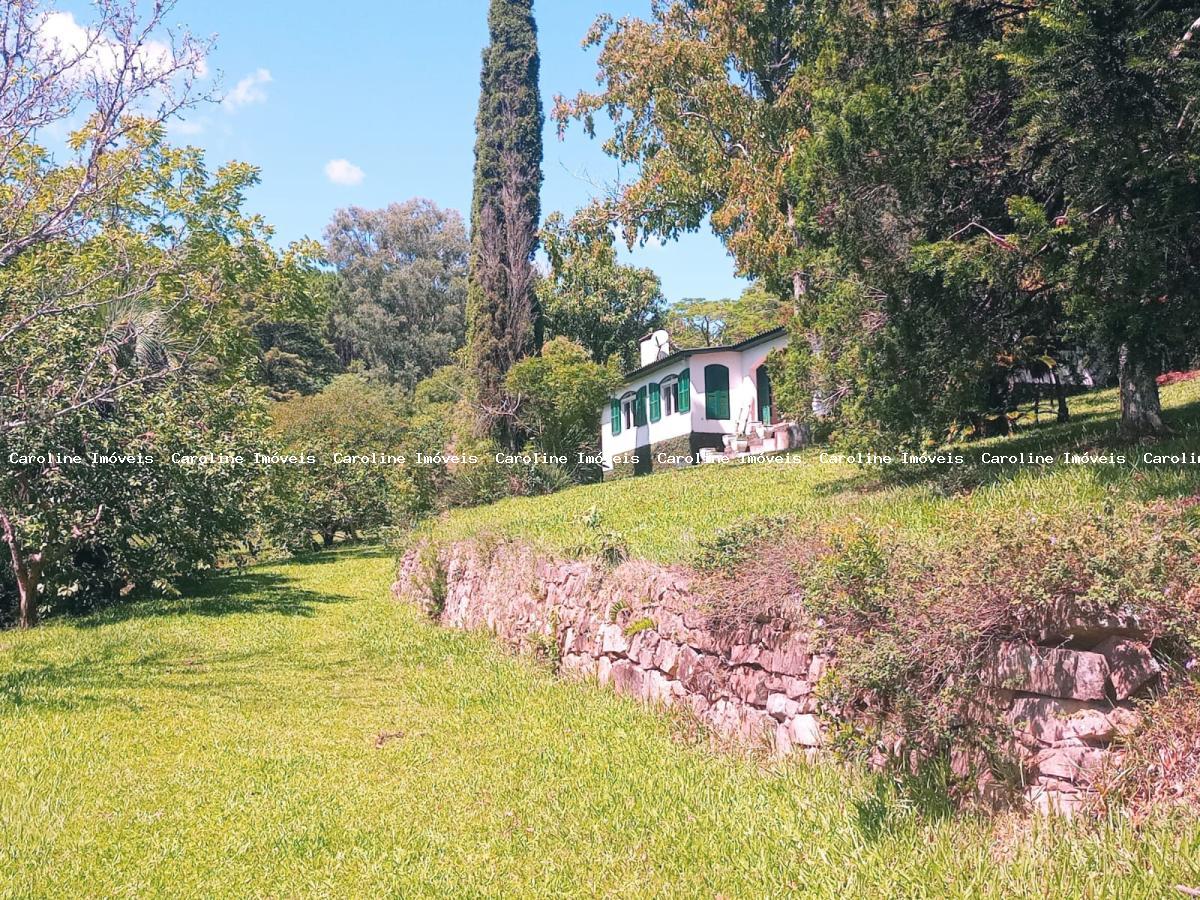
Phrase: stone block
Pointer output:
(1067, 620)
(1130, 665)
(688, 662)
(782, 707)
(1075, 764)
(627, 678)
(647, 649)
(791, 658)
(965, 761)
(806, 731)
(1049, 720)
(783, 740)
(1070, 674)
(795, 688)
(746, 654)
(612, 640)
(750, 685)
(754, 725)
(656, 688)
(723, 717)
(666, 657)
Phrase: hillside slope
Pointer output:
(666, 517)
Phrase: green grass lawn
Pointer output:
(294, 732)
(664, 517)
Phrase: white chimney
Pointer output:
(654, 346)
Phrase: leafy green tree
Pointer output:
(295, 355)
(135, 69)
(708, 106)
(558, 394)
(504, 321)
(696, 322)
(131, 340)
(830, 144)
(1107, 128)
(592, 299)
(954, 190)
(329, 491)
(916, 307)
(400, 296)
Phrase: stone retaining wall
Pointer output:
(638, 628)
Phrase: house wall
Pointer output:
(638, 440)
(635, 450)
(743, 391)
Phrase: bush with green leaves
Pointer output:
(559, 395)
(126, 346)
(357, 469)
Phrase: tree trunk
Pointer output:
(1060, 391)
(27, 569)
(28, 581)
(327, 537)
(1141, 412)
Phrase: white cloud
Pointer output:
(187, 127)
(344, 172)
(62, 39)
(251, 89)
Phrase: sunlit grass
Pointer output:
(664, 516)
(294, 732)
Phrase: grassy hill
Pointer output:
(293, 732)
(665, 517)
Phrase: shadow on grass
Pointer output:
(222, 595)
(1087, 433)
(893, 803)
(340, 553)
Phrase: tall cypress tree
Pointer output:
(502, 309)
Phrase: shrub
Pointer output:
(559, 394)
(352, 416)
(912, 623)
(599, 542)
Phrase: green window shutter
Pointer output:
(716, 392)
(655, 402)
(615, 409)
(764, 395)
(639, 407)
(684, 387)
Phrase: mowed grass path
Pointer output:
(294, 732)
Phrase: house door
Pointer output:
(764, 395)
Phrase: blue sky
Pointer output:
(391, 87)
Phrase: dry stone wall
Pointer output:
(640, 629)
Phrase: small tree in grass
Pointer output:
(559, 395)
(334, 492)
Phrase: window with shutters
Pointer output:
(716, 392)
(669, 391)
(684, 399)
(639, 408)
(655, 402)
(627, 410)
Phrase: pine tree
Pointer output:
(502, 308)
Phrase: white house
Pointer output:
(683, 407)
